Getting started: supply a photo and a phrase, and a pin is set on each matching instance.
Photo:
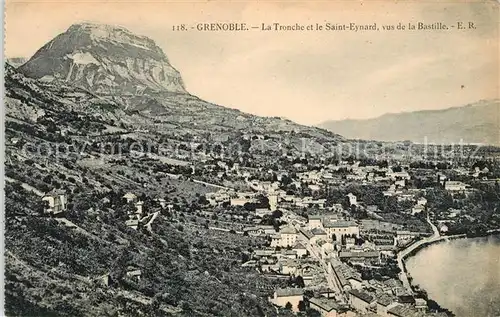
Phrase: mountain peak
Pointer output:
(105, 59)
(106, 32)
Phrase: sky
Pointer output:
(306, 76)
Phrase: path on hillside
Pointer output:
(210, 184)
(71, 225)
(26, 186)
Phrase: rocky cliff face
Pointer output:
(107, 60)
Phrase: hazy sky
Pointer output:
(306, 76)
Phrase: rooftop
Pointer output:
(455, 183)
(283, 292)
(299, 245)
(362, 295)
(345, 273)
(339, 224)
(288, 230)
(306, 233)
(403, 232)
(55, 192)
(318, 232)
(367, 254)
(384, 299)
(326, 304)
(404, 311)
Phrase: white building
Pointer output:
(315, 221)
(328, 307)
(314, 187)
(403, 237)
(454, 186)
(57, 202)
(288, 295)
(138, 207)
(360, 300)
(130, 197)
(288, 236)
(241, 201)
(273, 201)
(352, 199)
(132, 223)
(289, 267)
(400, 183)
(422, 201)
(398, 175)
(417, 209)
(340, 228)
(261, 212)
(443, 229)
(285, 238)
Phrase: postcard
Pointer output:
(251, 158)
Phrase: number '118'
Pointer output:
(180, 27)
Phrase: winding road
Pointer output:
(436, 237)
(403, 276)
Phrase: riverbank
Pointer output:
(419, 245)
(425, 244)
(429, 243)
(460, 275)
(402, 255)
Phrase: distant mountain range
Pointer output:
(16, 61)
(473, 123)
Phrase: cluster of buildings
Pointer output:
(327, 249)
(329, 245)
(134, 216)
(359, 303)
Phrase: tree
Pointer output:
(244, 257)
(391, 204)
(313, 313)
(249, 206)
(277, 214)
(186, 307)
(202, 200)
(299, 280)
(302, 306)
(288, 306)
(397, 169)
(264, 202)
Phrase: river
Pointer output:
(462, 275)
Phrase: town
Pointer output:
(126, 194)
(334, 236)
